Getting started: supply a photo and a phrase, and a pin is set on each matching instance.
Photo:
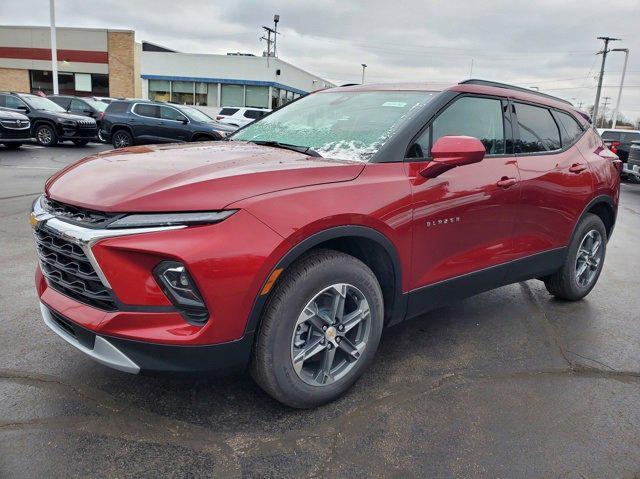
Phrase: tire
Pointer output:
(121, 139)
(12, 146)
(46, 135)
(566, 283)
(313, 277)
(80, 142)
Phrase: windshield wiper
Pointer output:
(302, 149)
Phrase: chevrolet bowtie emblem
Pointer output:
(33, 220)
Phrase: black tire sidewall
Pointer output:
(588, 223)
(124, 133)
(341, 269)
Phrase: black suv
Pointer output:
(15, 129)
(49, 122)
(84, 106)
(129, 122)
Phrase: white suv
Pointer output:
(236, 116)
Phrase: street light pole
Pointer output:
(54, 49)
(364, 65)
(624, 70)
(604, 52)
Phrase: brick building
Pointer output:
(91, 61)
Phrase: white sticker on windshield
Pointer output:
(397, 104)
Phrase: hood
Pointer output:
(216, 125)
(63, 115)
(12, 115)
(195, 177)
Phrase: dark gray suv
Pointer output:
(130, 122)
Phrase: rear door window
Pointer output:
(13, 102)
(63, 102)
(628, 137)
(570, 129)
(150, 111)
(228, 111)
(538, 130)
(78, 106)
(611, 135)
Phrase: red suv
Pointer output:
(291, 246)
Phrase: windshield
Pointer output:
(342, 125)
(41, 103)
(195, 114)
(98, 105)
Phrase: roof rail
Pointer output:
(476, 81)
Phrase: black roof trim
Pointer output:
(477, 81)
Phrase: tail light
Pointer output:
(614, 146)
(100, 115)
(617, 163)
(219, 117)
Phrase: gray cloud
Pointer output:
(548, 44)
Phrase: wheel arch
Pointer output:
(41, 121)
(365, 243)
(121, 126)
(605, 208)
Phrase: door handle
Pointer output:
(577, 167)
(506, 182)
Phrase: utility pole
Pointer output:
(364, 65)
(604, 112)
(471, 69)
(54, 49)
(270, 31)
(604, 52)
(624, 70)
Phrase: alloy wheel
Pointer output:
(44, 136)
(121, 140)
(589, 258)
(330, 335)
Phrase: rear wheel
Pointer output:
(12, 146)
(46, 135)
(122, 139)
(584, 261)
(320, 330)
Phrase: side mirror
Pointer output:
(23, 108)
(184, 121)
(452, 151)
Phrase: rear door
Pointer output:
(463, 220)
(555, 181)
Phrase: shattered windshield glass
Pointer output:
(342, 125)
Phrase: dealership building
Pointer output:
(105, 62)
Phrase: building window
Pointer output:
(212, 94)
(201, 94)
(232, 95)
(275, 95)
(182, 92)
(79, 84)
(159, 90)
(257, 96)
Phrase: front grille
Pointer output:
(76, 215)
(69, 271)
(83, 336)
(15, 124)
(87, 123)
(634, 154)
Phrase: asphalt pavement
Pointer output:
(510, 383)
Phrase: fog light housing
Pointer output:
(177, 284)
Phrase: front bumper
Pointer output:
(141, 357)
(68, 132)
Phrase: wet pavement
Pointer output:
(510, 383)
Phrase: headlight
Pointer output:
(169, 219)
(176, 283)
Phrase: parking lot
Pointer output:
(510, 383)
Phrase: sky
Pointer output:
(550, 45)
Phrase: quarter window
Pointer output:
(480, 118)
(570, 129)
(538, 129)
(151, 111)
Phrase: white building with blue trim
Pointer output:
(222, 80)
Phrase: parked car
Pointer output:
(631, 168)
(619, 141)
(129, 122)
(15, 129)
(50, 124)
(84, 106)
(291, 246)
(240, 116)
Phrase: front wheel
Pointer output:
(584, 261)
(320, 330)
(46, 135)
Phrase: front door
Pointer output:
(463, 220)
